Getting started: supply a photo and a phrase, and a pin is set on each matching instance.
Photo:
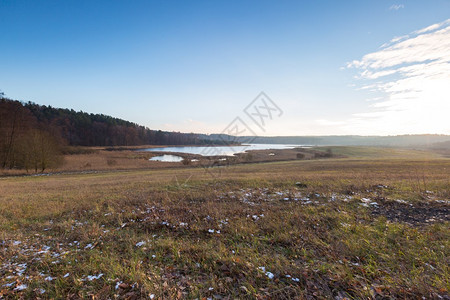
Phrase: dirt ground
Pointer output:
(414, 214)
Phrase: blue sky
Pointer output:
(193, 66)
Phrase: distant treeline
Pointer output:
(414, 140)
(31, 134)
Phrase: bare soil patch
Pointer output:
(414, 214)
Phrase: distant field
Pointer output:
(381, 152)
(85, 159)
(372, 225)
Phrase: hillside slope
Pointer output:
(79, 128)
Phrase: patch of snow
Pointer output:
(92, 277)
(442, 201)
(9, 284)
(366, 200)
(140, 244)
(21, 268)
(118, 284)
(268, 274)
(401, 201)
(21, 287)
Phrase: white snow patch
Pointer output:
(117, 285)
(92, 277)
(21, 287)
(268, 274)
(140, 244)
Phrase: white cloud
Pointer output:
(432, 27)
(412, 73)
(396, 6)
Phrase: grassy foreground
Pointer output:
(350, 228)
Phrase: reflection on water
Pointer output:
(167, 158)
(221, 150)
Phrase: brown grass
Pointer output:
(334, 245)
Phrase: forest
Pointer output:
(32, 136)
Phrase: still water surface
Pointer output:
(167, 158)
(221, 150)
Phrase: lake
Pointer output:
(167, 158)
(221, 150)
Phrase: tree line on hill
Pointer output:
(407, 140)
(32, 135)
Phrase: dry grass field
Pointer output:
(99, 159)
(374, 225)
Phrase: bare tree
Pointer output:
(14, 119)
(38, 150)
